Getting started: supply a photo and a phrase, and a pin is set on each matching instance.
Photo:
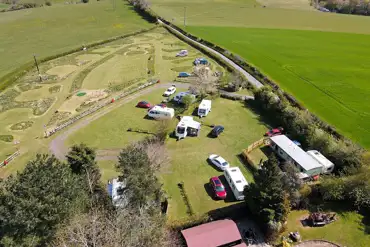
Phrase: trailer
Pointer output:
(187, 127)
(204, 108)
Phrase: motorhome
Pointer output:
(187, 127)
(204, 107)
(116, 190)
(236, 181)
(327, 165)
(161, 113)
(178, 97)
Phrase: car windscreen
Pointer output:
(225, 163)
(219, 188)
(180, 130)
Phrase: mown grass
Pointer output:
(52, 30)
(327, 72)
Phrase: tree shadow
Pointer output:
(230, 196)
(144, 15)
(267, 120)
(210, 192)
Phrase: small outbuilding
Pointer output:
(214, 234)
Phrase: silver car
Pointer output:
(219, 162)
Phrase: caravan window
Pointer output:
(202, 111)
(181, 130)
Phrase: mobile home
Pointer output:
(204, 108)
(327, 165)
(237, 181)
(187, 127)
(161, 113)
(291, 152)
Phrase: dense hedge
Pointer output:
(13, 76)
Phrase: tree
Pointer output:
(187, 100)
(36, 200)
(291, 183)
(265, 197)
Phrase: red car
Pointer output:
(143, 104)
(274, 132)
(218, 188)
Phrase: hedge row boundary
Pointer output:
(250, 69)
(10, 78)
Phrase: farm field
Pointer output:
(47, 31)
(189, 156)
(30, 107)
(327, 72)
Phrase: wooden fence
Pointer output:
(257, 144)
(10, 158)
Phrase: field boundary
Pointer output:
(198, 43)
(13, 76)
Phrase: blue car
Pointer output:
(217, 130)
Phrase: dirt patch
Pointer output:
(62, 71)
(75, 101)
(21, 125)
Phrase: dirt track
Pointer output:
(57, 147)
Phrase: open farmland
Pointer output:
(328, 72)
(59, 28)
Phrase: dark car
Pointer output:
(217, 130)
(274, 132)
(218, 188)
(143, 104)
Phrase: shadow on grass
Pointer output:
(230, 196)
(210, 192)
(263, 118)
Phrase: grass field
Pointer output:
(189, 156)
(328, 72)
(51, 30)
(348, 230)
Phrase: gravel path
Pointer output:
(57, 146)
(250, 78)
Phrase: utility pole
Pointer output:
(37, 66)
(184, 16)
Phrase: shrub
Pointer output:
(85, 1)
(48, 3)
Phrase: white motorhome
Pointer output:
(187, 127)
(237, 181)
(178, 97)
(204, 107)
(116, 189)
(327, 165)
(161, 113)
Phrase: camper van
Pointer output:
(160, 113)
(237, 182)
(178, 97)
(327, 165)
(204, 108)
(187, 127)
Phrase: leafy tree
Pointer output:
(36, 200)
(291, 183)
(266, 197)
(187, 100)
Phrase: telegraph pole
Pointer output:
(184, 16)
(37, 66)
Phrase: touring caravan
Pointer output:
(327, 165)
(160, 113)
(187, 127)
(116, 190)
(178, 97)
(237, 181)
(204, 108)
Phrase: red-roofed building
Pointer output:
(214, 234)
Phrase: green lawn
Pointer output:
(107, 170)
(51, 30)
(327, 72)
(347, 230)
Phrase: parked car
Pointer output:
(184, 74)
(274, 132)
(169, 91)
(217, 130)
(162, 105)
(218, 161)
(144, 104)
(218, 188)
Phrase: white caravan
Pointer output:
(187, 127)
(116, 189)
(204, 108)
(179, 96)
(161, 113)
(327, 165)
(237, 182)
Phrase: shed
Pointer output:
(290, 152)
(213, 234)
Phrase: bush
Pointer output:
(48, 3)
(85, 1)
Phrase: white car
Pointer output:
(169, 91)
(218, 161)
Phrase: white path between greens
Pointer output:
(250, 78)
(57, 146)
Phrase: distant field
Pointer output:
(249, 13)
(328, 72)
(51, 30)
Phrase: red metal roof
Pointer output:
(212, 234)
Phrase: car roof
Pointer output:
(219, 158)
(214, 179)
(143, 101)
(171, 88)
